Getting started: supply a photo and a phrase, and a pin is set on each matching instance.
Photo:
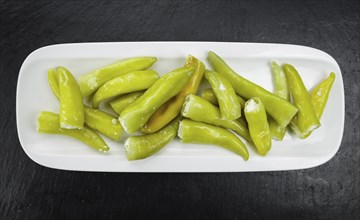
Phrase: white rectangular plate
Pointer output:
(251, 60)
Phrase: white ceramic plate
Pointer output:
(251, 60)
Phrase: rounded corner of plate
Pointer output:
(325, 53)
(37, 160)
(31, 155)
(38, 50)
(326, 159)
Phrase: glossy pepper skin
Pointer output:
(171, 108)
(125, 100)
(126, 83)
(133, 117)
(90, 82)
(305, 120)
(202, 133)
(140, 147)
(258, 125)
(209, 95)
(53, 83)
(199, 109)
(71, 103)
(281, 110)
(277, 132)
(230, 108)
(281, 90)
(49, 123)
(95, 119)
(103, 122)
(281, 87)
(319, 96)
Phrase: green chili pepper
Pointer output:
(209, 95)
(281, 110)
(71, 104)
(169, 110)
(126, 83)
(133, 117)
(230, 108)
(123, 101)
(202, 133)
(305, 120)
(103, 122)
(49, 123)
(320, 94)
(199, 109)
(258, 125)
(53, 82)
(95, 119)
(277, 132)
(90, 82)
(281, 90)
(140, 147)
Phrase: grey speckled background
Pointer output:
(29, 191)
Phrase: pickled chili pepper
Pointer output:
(199, 109)
(71, 104)
(53, 83)
(126, 83)
(202, 133)
(49, 123)
(320, 94)
(140, 147)
(277, 132)
(281, 90)
(258, 125)
(133, 117)
(305, 121)
(103, 122)
(123, 101)
(209, 95)
(171, 108)
(230, 108)
(95, 119)
(281, 110)
(90, 82)
(281, 87)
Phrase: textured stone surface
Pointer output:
(330, 191)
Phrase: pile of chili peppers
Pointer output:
(162, 108)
